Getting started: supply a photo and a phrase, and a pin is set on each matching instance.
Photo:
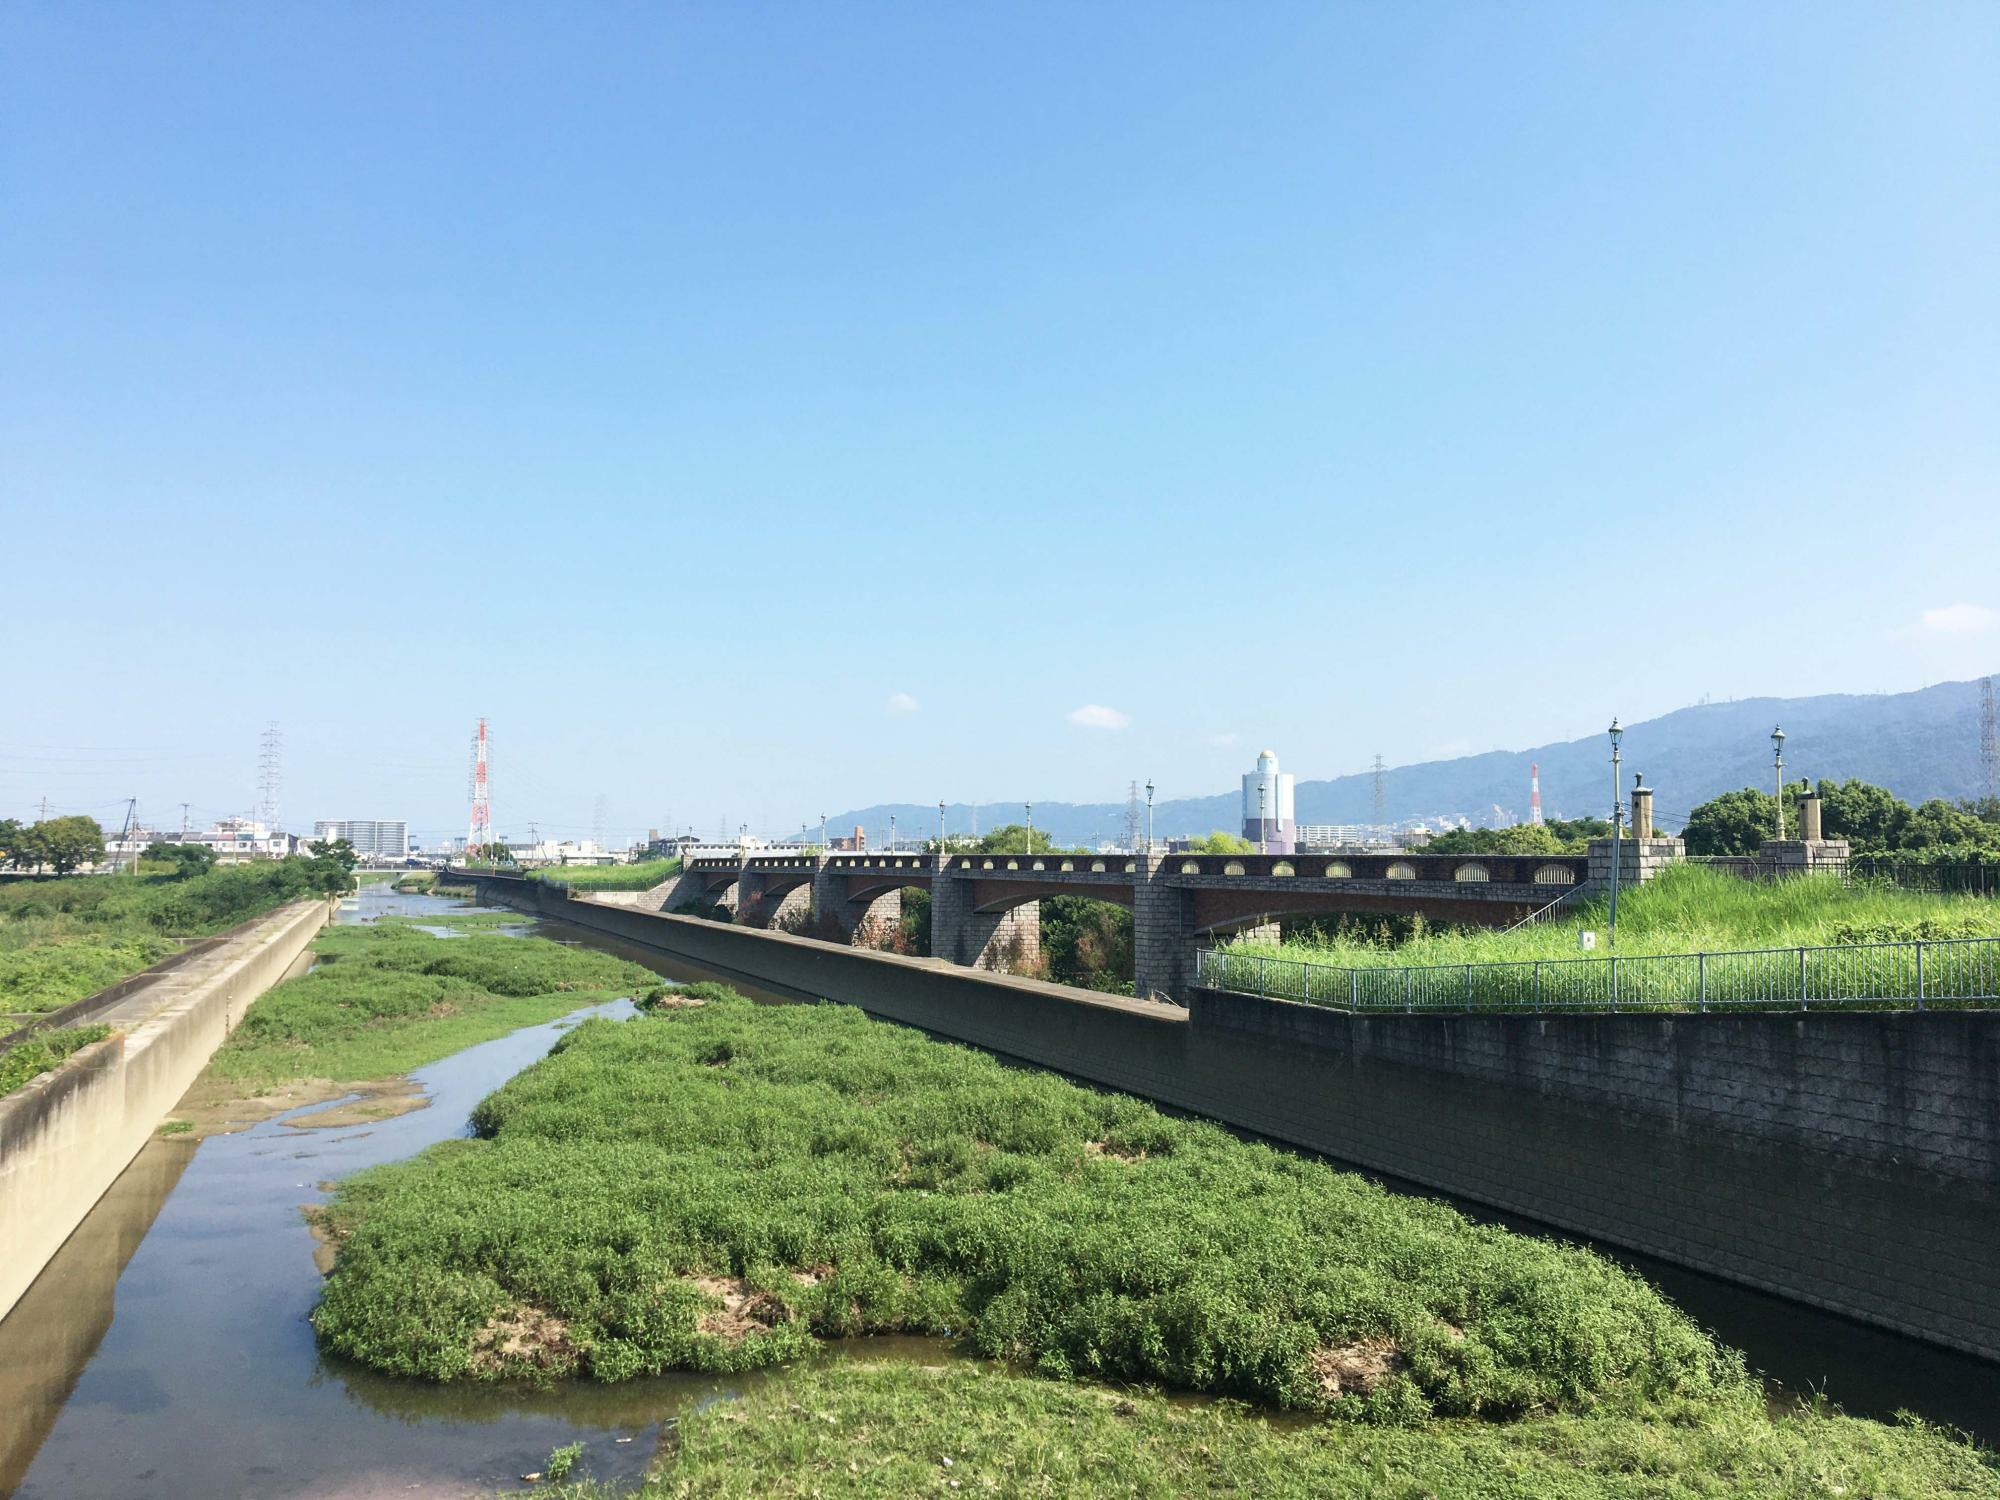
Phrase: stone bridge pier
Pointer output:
(851, 911)
(1002, 933)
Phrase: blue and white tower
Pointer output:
(1268, 821)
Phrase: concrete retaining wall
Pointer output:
(1850, 1160)
(65, 1137)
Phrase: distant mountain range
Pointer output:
(1919, 745)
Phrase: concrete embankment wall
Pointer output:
(1850, 1160)
(65, 1137)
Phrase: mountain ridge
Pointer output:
(1919, 744)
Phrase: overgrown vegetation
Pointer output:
(720, 1187)
(44, 1051)
(388, 998)
(639, 877)
(850, 1428)
(1686, 909)
(1872, 819)
(61, 940)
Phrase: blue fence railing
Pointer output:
(1953, 974)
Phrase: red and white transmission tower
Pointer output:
(1534, 795)
(480, 832)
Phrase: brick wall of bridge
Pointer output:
(1849, 1160)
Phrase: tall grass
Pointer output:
(61, 940)
(858, 1429)
(44, 1052)
(639, 877)
(719, 1188)
(1686, 909)
(388, 999)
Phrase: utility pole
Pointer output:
(125, 835)
(1617, 734)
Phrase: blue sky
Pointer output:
(756, 410)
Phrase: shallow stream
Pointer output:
(166, 1352)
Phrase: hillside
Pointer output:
(1920, 745)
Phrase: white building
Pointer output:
(235, 841)
(372, 838)
(1267, 807)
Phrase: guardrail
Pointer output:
(1955, 974)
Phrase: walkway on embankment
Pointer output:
(65, 1136)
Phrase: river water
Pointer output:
(166, 1352)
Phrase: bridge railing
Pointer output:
(1954, 974)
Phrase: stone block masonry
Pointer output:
(1850, 1160)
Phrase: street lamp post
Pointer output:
(822, 831)
(1260, 814)
(1778, 763)
(1149, 815)
(1031, 825)
(892, 833)
(940, 825)
(1617, 734)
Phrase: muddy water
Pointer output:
(166, 1352)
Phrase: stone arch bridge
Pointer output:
(985, 908)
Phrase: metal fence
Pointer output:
(1944, 975)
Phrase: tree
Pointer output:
(1869, 817)
(13, 838)
(189, 859)
(1012, 838)
(1520, 838)
(66, 844)
(1738, 822)
(1218, 842)
(1939, 824)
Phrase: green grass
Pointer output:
(1687, 909)
(836, 1176)
(388, 999)
(639, 877)
(61, 940)
(865, 1429)
(48, 1050)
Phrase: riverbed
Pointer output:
(166, 1350)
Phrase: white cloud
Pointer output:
(902, 703)
(1097, 716)
(1961, 619)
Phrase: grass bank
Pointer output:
(47, 1050)
(856, 1429)
(61, 940)
(720, 1188)
(1687, 909)
(639, 877)
(387, 998)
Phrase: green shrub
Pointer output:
(720, 1187)
(45, 1051)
